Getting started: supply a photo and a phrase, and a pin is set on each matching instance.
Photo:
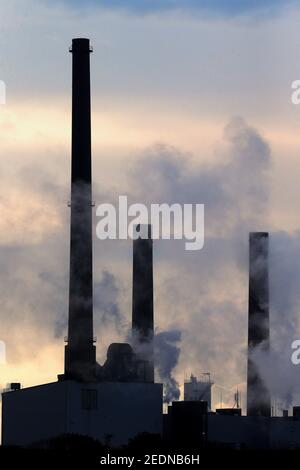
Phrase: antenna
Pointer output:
(237, 399)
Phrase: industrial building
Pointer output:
(226, 427)
(198, 390)
(119, 400)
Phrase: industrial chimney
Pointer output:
(258, 397)
(80, 352)
(142, 298)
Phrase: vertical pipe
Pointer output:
(80, 352)
(142, 299)
(258, 397)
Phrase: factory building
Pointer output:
(118, 399)
(226, 427)
(191, 423)
(111, 412)
(198, 390)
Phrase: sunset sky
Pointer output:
(191, 102)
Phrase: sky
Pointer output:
(191, 102)
(219, 7)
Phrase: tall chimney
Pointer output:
(80, 352)
(258, 397)
(142, 299)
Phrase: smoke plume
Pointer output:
(166, 354)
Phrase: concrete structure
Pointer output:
(258, 397)
(142, 298)
(253, 432)
(296, 411)
(229, 411)
(114, 412)
(238, 431)
(197, 390)
(186, 423)
(80, 352)
(119, 399)
(227, 428)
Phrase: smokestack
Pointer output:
(80, 352)
(142, 298)
(258, 397)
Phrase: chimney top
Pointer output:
(81, 44)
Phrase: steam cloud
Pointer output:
(106, 293)
(280, 374)
(166, 354)
(213, 292)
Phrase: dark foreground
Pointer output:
(45, 458)
(138, 454)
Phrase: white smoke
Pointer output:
(166, 355)
(207, 293)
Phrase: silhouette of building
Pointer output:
(258, 396)
(198, 390)
(80, 351)
(120, 398)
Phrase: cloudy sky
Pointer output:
(191, 103)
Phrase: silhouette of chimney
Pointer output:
(142, 298)
(258, 397)
(80, 352)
